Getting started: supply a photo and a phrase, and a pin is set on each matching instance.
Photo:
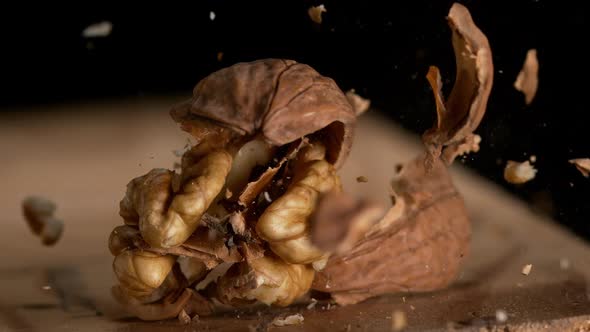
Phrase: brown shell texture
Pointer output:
(280, 99)
(466, 105)
(421, 241)
(420, 251)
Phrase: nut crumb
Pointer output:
(46, 287)
(526, 270)
(228, 193)
(398, 320)
(533, 158)
(295, 319)
(38, 212)
(315, 13)
(501, 316)
(312, 304)
(412, 307)
(583, 165)
(519, 172)
(184, 318)
(101, 29)
(362, 179)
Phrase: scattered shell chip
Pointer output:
(312, 304)
(38, 212)
(362, 179)
(501, 316)
(228, 193)
(315, 13)
(101, 29)
(526, 270)
(184, 318)
(359, 104)
(582, 164)
(289, 320)
(519, 172)
(398, 320)
(528, 77)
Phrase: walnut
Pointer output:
(271, 133)
(38, 212)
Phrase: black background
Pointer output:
(380, 48)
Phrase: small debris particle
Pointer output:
(289, 320)
(184, 318)
(583, 165)
(46, 287)
(412, 307)
(98, 30)
(404, 299)
(362, 179)
(533, 158)
(312, 304)
(329, 306)
(267, 197)
(526, 270)
(519, 172)
(38, 212)
(315, 13)
(228, 193)
(348, 328)
(501, 316)
(195, 318)
(564, 263)
(219, 56)
(212, 15)
(528, 77)
(398, 320)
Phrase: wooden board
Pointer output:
(83, 155)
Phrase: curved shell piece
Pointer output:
(281, 99)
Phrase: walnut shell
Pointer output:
(280, 99)
(421, 250)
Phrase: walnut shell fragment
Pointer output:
(582, 164)
(282, 100)
(340, 221)
(527, 80)
(315, 13)
(417, 250)
(38, 213)
(460, 115)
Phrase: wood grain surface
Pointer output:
(82, 156)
